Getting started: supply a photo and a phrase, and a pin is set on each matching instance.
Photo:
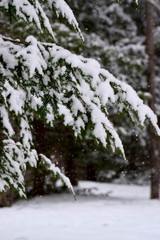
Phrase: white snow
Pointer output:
(62, 8)
(125, 213)
(29, 12)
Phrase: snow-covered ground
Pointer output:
(104, 212)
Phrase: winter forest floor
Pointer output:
(104, 212)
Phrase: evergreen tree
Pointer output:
(41, 80)
(122, 49)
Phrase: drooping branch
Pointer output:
(18, 41)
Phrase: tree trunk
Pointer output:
(41, 147)
(153, 140)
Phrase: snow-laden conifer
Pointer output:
(45, 81)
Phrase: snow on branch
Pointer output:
(56, 172)
(107, 86)
(33, 13)
(28, 11)
(79, 90)
(13, 163)
(62, 9)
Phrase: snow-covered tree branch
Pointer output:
(47, 82)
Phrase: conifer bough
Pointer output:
(45, 81)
